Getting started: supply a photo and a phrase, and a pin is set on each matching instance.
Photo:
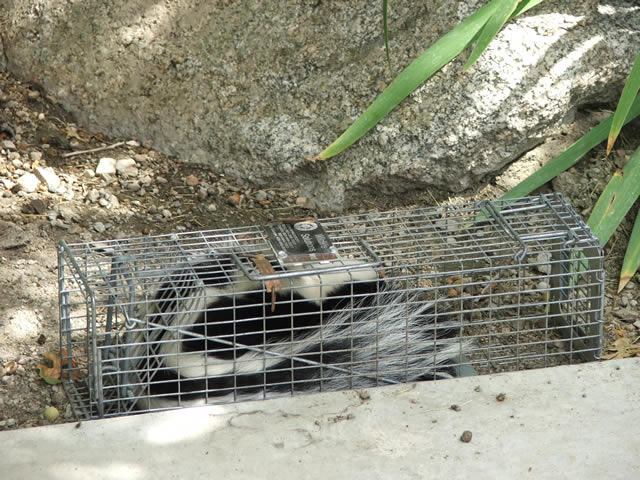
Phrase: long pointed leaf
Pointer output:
(615, 201)
(629, 93)
(426, 65)
(570, 156)
(525, 5)
(631, 261)
(502, 13)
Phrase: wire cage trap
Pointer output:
(315, 305)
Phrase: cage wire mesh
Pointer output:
(231, 314)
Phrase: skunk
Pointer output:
(210, 335)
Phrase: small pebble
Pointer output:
(235, 199)
(106, 167)
(132, 186)
(192, 180)
(8, 145)
(6, 183)
(38, 205)
(49, 177)
(126, 167)
(542, 259)
(93, 195)
(28, 182)
(501, 397)
(99, 227)
(466, 436)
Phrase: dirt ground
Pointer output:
(152, 194)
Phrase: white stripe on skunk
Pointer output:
(215, 338)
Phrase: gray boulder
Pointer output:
(252, 88)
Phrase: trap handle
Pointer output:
(521, 254)
(565, 233)
(332, 266)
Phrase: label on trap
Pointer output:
(300, 242)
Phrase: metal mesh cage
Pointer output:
(228, 315)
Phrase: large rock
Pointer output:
(253, 87)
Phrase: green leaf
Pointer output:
(386, 35)
(524, 6)
(424, 67)
(627, 97)
(615, 201)
(504, 10)
(631, 261)
(570, 156)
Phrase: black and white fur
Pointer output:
(216, 339)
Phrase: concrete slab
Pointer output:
(575, 422)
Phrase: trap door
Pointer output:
(576, 299)
(88, 281)
(554, 239)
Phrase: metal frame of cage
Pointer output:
(523, 277)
